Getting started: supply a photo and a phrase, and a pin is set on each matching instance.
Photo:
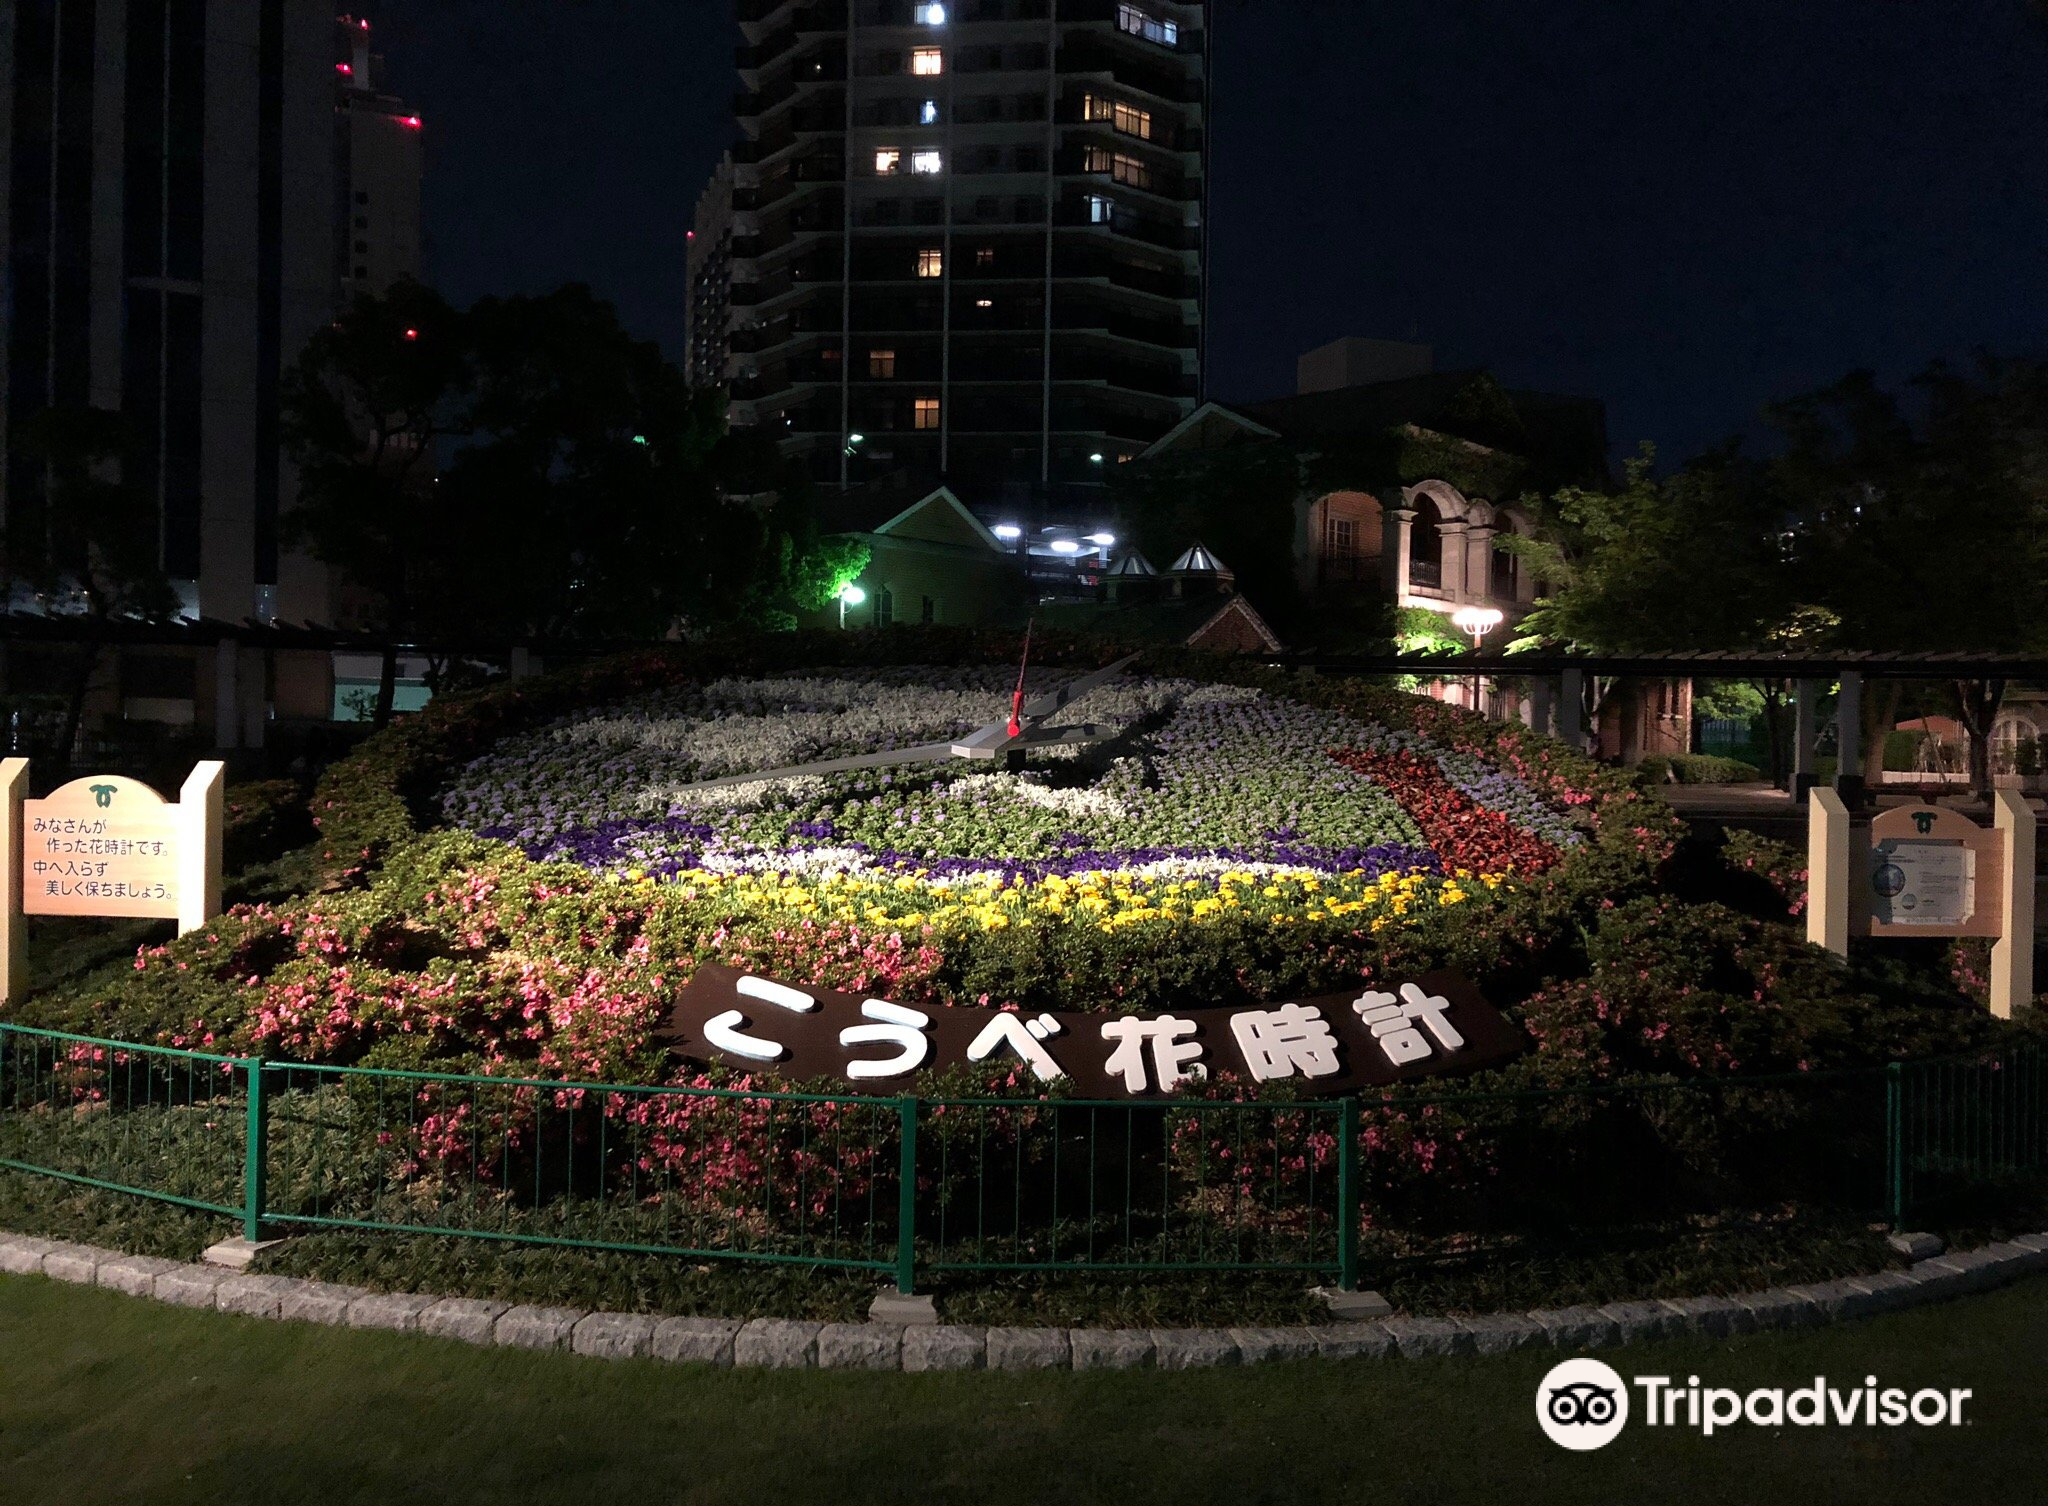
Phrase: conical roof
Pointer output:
(1199, 561)
(1133, 563)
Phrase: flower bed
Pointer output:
(1239, 835)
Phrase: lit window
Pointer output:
(881, 363)
(885, 607)
(984, 256)
(931, 15)
(928, 113)
(1121, 166)
(1101, 211)
(928, 61)
(887, 160)
(924, 162)
(984, 303)
(925, 413)
(1127, 118)
(931, 263)
(1140, 23)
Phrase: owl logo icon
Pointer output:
(1582, 1404)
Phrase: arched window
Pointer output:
(885, 607)
(1426, 545)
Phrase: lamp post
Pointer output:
(850, 595)
(1477, 621)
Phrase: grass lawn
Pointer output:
(105, 1398)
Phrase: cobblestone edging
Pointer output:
(777, 1343)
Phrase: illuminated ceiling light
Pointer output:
(1096, 457)
(855, 438)
(1065, 546)
(1007, 531)
(1104, 539)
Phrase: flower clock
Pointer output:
(1192, 805)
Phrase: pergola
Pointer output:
(1807, 671)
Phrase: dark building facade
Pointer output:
(968, 236)
(172, 182)
(710, 273)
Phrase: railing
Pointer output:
(899, 1186)
(1964, 1136)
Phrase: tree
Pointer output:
(527, 469)
(97, 556)
(1920, 522)
(366, 408)
(1693, 560)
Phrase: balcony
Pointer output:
(1348, 569)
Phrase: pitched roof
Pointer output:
(1133, 563)
(1175, 622)
(954, 523)
(1209, 420)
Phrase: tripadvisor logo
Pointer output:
(1583, 1404)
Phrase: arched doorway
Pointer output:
(1426, 544)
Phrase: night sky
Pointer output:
(1684, 209)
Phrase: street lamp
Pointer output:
(849, 596)
(1477, 621)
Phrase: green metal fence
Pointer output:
(1967, 1137)
(902, 1186)
(147, 1120)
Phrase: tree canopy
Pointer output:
(526, 468)
(1913, 520)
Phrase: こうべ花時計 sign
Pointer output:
(1372, 1036)
(111, 846)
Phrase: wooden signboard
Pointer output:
(103, 845)
(106, 845)
(1928, 871)
(1924, 870)
(1372, 1036)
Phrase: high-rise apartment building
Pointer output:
(710, 269)
(967, 235)
(179, 184)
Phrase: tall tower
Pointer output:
(171, 187)
(968, 236)
(379, 169)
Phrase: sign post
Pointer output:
(13, 923)
(1923, 870)
(106, 845)
(2012, 955)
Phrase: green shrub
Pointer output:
(1696, 768)
(265, 820)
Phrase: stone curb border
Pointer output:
(775, 1343)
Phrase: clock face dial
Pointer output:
(797, 777)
